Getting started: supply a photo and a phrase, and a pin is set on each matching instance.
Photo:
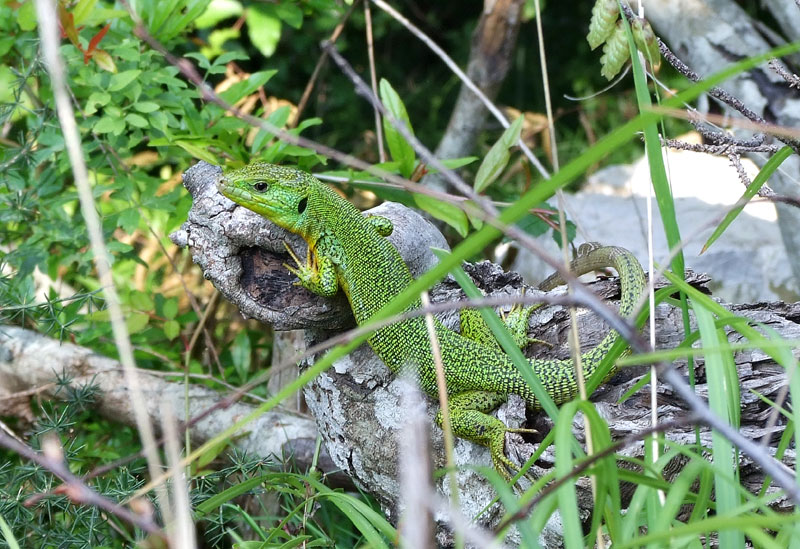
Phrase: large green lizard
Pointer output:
(348, 250)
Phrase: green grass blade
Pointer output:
(567, 497)
(241, 488)
(8, 534)
(719, 399)
(788, 361)
(766, 171)
(655, 160)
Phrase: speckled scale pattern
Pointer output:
(371, 272)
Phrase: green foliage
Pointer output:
(498, 156)
(401, 150)
(142, 123)
(607, 28)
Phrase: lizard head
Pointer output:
(278, 193)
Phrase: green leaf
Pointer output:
(290, 13)
(399, 148)
(603, 22)
(277, 118)
(497, 158)
(615, 52)
(108, 124)
(197, 152)
(122, 79)
(172, 329)
(136, 322)
(26, 16)
(98, 316)
(145, 106)
(104, 61)
(96, 99)
(136, 120)
(246, 87)
(769, 168)
(218, 10)
(6, 43)
(141, 301)
(129, 220)
(444, 211)
(263, 28)
(533, 225)
(82, 11)
(455, 163)
(171, 308)
(241, 353)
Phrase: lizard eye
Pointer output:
(261, 186)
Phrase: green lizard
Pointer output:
(348, 250)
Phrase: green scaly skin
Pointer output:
(349, 251)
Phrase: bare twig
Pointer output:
(792, 79)
(444, 408)
(732, 101)
(181, 528)
(301, 105)
(736, 162)
(718, 149)
(784, 134)
(415, 528)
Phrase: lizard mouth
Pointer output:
(233, 192)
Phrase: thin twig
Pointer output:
(301, 105)
(425, 154)
(792, 79)
(444, 408)
(785, 134)
(373, 78)
(181, 528)
(727, 98)
(425, 39)
(718, 150)
(48, 31)
(74, 487)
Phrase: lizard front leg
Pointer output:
(317, 274)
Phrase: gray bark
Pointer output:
(360, 405)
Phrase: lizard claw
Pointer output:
(302, 271)
(293, 256)
(502, 463)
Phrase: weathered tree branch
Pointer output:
(358, 402)
(32, 364)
